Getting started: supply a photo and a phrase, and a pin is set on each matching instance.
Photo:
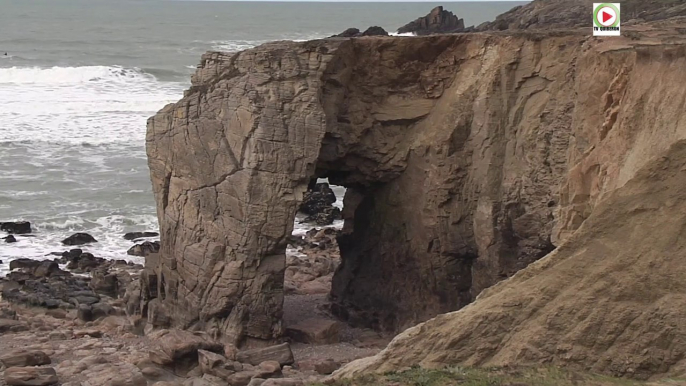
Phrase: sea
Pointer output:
(81, 77)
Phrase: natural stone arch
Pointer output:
(432, 213)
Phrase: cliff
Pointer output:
(466, 158)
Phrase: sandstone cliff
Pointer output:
(466, 158)
(609, 299)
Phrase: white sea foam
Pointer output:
(240, 45)
(80, 105)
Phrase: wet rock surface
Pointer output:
(19, 228)
(139, 235)
(79, 239)
(144, 249)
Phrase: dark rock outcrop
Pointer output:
(349, 33)
(139, 235)
(19, 228)
(85, 262)
(37, 268)
(354, 32)
(10, 239)
(79, 239)
(437, 21)
(144, 249)
(375, 31)
(318, 205)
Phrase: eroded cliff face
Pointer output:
(466, 157)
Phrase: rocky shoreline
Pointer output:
(506, 218)
(73, 318)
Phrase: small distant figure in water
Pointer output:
(5, 53)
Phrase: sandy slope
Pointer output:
(611, 299)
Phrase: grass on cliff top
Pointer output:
(462, 376)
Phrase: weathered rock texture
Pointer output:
(609, 300)
(437, 21)
(466, 157)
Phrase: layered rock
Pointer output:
(608, 300)
(437, 21)
(466, 157)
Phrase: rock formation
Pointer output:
(608, 300)
(547, 14)
(354, 32)
(437, 21)
(466, 158)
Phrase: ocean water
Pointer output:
(81, 77)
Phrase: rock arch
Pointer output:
(428, 135)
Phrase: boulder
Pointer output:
(84, 262)
(27, 265)
(349, 33)
(18, 228)
(9, 325)
(71, 255)
(437, 21)
(85, 313)
(139, 235)
(178, 349)
(326, 367)
(21, 358)
(325, 217)
(79, 239)
(315, 331)
(104, 283)
(10, 239)
(375, 31)
(47, 269)
(217, 365)
(30, 376)
(241, 378)
(144, 249)
(269, 369)
(317, 199)
(280, 353)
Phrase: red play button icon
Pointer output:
(606, 17)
